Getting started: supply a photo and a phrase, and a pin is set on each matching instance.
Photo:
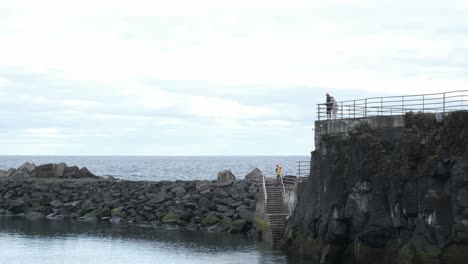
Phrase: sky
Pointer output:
(210, 77)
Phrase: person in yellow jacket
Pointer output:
(278, 174)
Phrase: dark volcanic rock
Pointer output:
(398, 198)
(188, 204)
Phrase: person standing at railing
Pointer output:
(278, 174)
(334, 104)
(329, 106)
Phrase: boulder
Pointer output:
(221, 193)
(34, 215)
(85, 173)
(224, 184)
(56, 203)
(238, 226)
(20, 174)
(222, 208)
(28, 167)
(72, 172)
(45, 171)
(210, 220)
(59, 170)
(160, 197)
(246, 214)
(9, 172)
(229, 213)
(55, 216)
(170, 218)
(215, 228)
(254, 175)
(206, 187)
(178, 191)
(91, 218)
(226, 175)
(118, 220)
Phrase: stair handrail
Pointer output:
(264, 189)
(284, 194)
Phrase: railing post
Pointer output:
(443, 109)
(423, 105)
(381, 106)
(318, 112)
(365, 108)
(284, 196)
(341, 109)
(354, 108)
(299, 168)
(402, 105)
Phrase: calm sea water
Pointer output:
(164, 168)
(45, 241)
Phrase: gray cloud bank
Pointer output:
(210, 78)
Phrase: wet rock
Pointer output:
(91, 218)
(34, 215)
(117, 220)
(55, 216)
(246, 214)
(170, 218)
(238, 226)
(210, 220)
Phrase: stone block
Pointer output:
(45, 171)
(226, 175)
(85, 173)
(9, 172)
(254, 175)
(30, 167)
(72, 172)
(59, 170)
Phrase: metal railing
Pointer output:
(395, 105)
(303, 169)
(264, 189)
(284, 195)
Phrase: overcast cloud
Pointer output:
(210, 77)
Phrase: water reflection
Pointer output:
(44, 241)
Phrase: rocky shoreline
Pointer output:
(223, 205)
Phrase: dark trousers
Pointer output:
(329, 110)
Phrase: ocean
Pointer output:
(158, 168)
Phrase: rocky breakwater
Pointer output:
(373, 197)
(223, 205)
(51, 170)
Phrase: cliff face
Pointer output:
(371, 198)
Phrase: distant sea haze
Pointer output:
(165, 168)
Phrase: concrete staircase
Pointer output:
(276, 212)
